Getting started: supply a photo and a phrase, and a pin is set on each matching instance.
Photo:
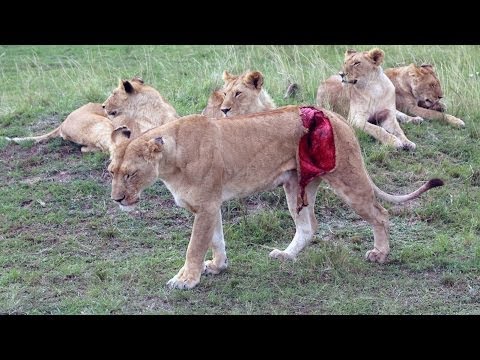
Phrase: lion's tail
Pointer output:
(397, 199)
(37, 139)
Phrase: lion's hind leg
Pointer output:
(355, 189)
(305, 221)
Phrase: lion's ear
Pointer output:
(120, 134)
(127, 85)
(155, 145)
(427, 67)
(376, 55)
(254, 78)
(153, 149)
(412, 70)
(350, 51)
(138, 79)
(226, 76)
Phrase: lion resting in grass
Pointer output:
(138, 106)
(367, 96)
(418, 92)
(88, 126)
(240, 94)
(205, 161)
(132, 104)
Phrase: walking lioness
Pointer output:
(205, 161)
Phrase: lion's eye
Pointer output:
(238, 93)
(128, 176)
(224, 94)
(356, 63)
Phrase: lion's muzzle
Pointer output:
(118, 200)
(345, 80)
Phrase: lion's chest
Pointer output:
(376, 96)
(178, 197)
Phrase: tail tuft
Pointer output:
(434, 183)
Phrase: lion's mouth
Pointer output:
(345, 80)
(427, 103)
(128, 207)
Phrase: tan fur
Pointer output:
(365, 93)
(240, 94)
(139, 106)
(205, 161)
(418, 92)
(88, 126)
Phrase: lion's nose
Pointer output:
(342, 74)
(119, 200)
(440, 97)
(225, 110)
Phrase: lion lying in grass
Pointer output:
(418, 92)
(87, 126)
(138, 106)
(240, 94)
(133, 104)
(205, 161)
(368, 97)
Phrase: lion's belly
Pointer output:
(255, 184)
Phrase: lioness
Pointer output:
(368, 95)
(418, 92)
(205, 161)
(88, 126)
(135, 104)
(240, 94)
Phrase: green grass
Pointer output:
(65, 248)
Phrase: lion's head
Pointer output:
(425, 86)
(240, 94)
(123, 96)
(359, 67)
(134, 166)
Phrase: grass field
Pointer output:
(65, 248)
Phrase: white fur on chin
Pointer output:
(127, 208)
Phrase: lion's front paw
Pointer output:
(396, 142)
(281, 255)
(408, 145)
(454, 121)
(417, 120)
(183, 282)
(210, 268)
(376, 255)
